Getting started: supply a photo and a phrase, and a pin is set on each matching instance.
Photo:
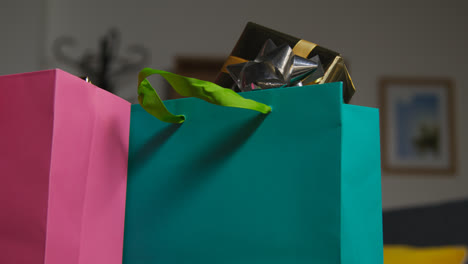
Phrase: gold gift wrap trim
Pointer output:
(232, 60)
(335, 74)
(303, 48)
(333, 71)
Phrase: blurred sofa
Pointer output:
(433, 225)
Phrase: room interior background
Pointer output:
(394, 38)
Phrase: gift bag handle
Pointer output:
(190, 87)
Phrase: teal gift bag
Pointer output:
(298, 185)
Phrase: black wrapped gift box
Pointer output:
(254, 36)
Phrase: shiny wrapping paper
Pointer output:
(254, 37)
(275, 67)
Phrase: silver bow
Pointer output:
(275, 66)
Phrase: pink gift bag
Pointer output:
(63, 169)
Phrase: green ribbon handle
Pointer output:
(190, 87)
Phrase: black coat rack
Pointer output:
(103, 66)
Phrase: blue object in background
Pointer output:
(299, 185)
(417, 120)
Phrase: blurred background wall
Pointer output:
(392, 38)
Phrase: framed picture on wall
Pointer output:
(417, 126)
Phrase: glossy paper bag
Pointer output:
(299, 185)
(63, 170)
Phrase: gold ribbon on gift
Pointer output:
(232, 60)
(338, 72)
(302, 48)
